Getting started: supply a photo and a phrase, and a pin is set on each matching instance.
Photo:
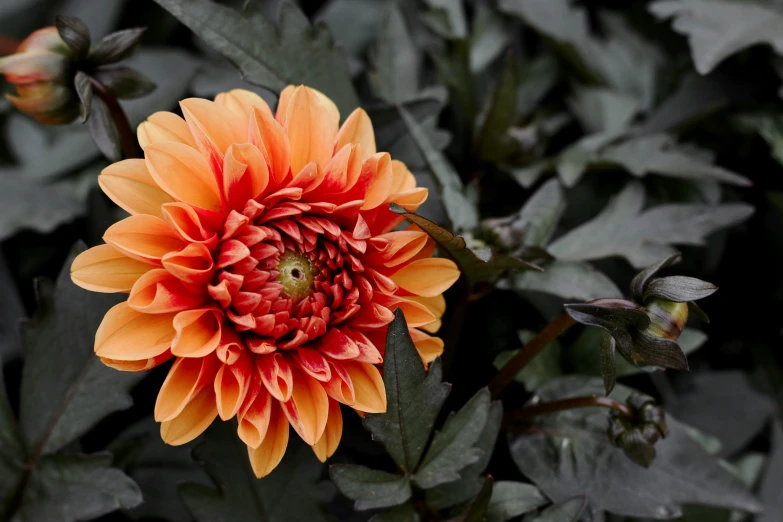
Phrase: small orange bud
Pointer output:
(41, 72)
(667, 318)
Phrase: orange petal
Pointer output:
(402, 246)
(193, 264)
(268, 455)
(105, 269)
(402, 179)
(189, 224)
(368, 387)
(340, 386)
(242, 102)
(308, 408)
(158, 292)
(128, 335)
(254, 416)
(196, 417)
(429, 347)
(164, 126)
(129, 184)
(416, 314)
(282, 103)
(198, 332)
(214, 128)
(327, 444)
(357, 129)
(184, 173)
(380, 169)
(276, 375)
(245, 175)
(271, 139)
(145, 238)
(342, 171)
(427, 277)
(186, 378)
(232, 384)
(311, 129)
(137, 366)
(314, 364)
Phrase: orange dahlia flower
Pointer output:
(261, 255)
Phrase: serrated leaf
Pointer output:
(125, 83)
(116, 46)
(478, 508)
(682, 473)
(291, 493)
(568, 280)
(69, 488)
(717, 29)
(294, 52)
(461, 211)
(452, 447)
(414, 398)
(644, 236)
(396, 61)
(370, 488)
(493, 144)
(476, 269)
(512, 499)
(468, 486)
(567, 511)
(66, 390)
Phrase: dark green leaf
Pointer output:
(370, 488)
(639, 282)
(125, 83)
(541, 213)
(403, 513)
(748, 409)
(75, 33)
(83, 88)
(396, 60)
(116, 46)
(467, 487)
(476, 269)
(567, 511)
(294, 52)
(621, 321)
(461, 211)
(65, 387)
(649, 350)
(569, 280)
(414, 398)
(69, 488)
(291, 493)
(493, 144)
(679, 289)
(643, 237)
(452, 447)
(719, 28)
(512, 499)
(477, 509)
(682, 473)
(608, 362)
(772, 482)
(104, 131)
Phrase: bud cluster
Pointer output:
(637, 435)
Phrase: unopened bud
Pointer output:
(41, 70)
(637, 436)
(667, 318)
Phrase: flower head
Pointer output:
(261, 255)
(40, 71)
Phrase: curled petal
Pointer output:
(128, 335)
(337, 345)
(271, 139)
(368, 387)
(314, 364)
(340, 386)
(198, 332)
(311, 129)
(430, 348)
(327, 444)
(254, 415)
(232, 384)
(427, 277)
(184, 173)
(242, 102)
(186, 378)
(357, 129)
(191, 422)
(276, 375)
(129, 184)
(189, 224)
(214, 128)
(158, 292)
(137, 366)
(145, 238)
(192, 265)
(268, 455)
(164, 126)
(245, 174)
(308, 408)
(106, 269)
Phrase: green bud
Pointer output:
(667, 318)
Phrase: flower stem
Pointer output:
(510, 370)
(529, 412)
(129, 147)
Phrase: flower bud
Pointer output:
(41, 70)
(667, 318)
(637, 436)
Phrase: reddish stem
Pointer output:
(130, 148)
(529, 412)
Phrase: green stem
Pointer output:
(529, 412)
(130, 148)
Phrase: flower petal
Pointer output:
(186, 378)
(192, 265)
(198, 332)
(311, 129)
(142, 237)
(268, 455)
(368, 387)
(242, 102)
(214, 128)
(357, 129)
(105, 269)
(308, 407)
(255, 414)
(327, 444)
(232, 384)
(195, 417)
(429, 347)
(137, 366)
(129, 184)
(128, 335)
(276, 375)
(245, 175)
(158, 292)
(184, 173)
(270, 138)
(164, 126)
(427, 277)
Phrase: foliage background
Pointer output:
(549, 114)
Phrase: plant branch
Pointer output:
(529, 412)
(130, 148)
